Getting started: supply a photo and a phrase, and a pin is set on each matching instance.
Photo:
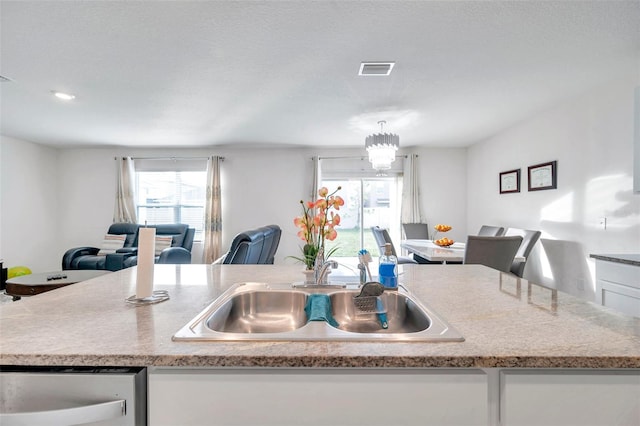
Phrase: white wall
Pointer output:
(591, 137)
(443, 189)
(87, 192)
(29, 205)
(262, 187)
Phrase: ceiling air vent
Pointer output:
(4, 79)
(376, 68)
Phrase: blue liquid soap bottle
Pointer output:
(388, 268)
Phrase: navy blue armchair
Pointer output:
(255, 247)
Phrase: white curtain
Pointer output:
(125, 206)
(316, 178)
(213, 212)
(411, 206)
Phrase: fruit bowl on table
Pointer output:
(443, 242)
(442, 228)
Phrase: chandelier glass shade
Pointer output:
(382, 149)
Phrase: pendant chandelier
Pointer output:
(382, 148)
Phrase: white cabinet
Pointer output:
(359, 396)
(618, 286)
(567, 397)
(310, 397)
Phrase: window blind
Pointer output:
(170, 164)
(344, 167)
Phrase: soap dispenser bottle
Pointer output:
(388, 268)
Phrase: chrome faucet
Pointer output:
(321, 270)
(320, 266)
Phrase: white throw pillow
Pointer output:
(162, 243)
(111, 243)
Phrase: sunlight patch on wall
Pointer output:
(560, 210)
(608, 196)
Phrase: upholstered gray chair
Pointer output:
(529, 240)
(416, 231)
(494, 252)
(491, 231)
(382, 237)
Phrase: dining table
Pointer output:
(432, 252)
(429, 250)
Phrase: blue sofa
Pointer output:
(127, 256)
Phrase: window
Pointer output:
(368, 202)
(172, 197)
(371, 199)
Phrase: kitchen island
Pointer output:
(511, 328)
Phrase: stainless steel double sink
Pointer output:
(276, 312)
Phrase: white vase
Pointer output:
(309, 276)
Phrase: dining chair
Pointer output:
(529, 240)
(416, 231)
(419, 231)
(494, 252)
(382, 237)
(491, 231)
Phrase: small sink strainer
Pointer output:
(368, 300)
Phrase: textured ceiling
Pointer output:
(284, 73)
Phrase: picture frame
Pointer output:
(543, 176)
(510, 181)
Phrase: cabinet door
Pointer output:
(317, 397)
(566, 397)
(618, 286)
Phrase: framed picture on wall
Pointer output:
(543, 176)
(510, 181)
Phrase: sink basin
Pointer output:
(260, 311)
(403, 314)
(276, 312)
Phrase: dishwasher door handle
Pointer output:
(68, 416)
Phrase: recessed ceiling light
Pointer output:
(376, 68)
(63, 96)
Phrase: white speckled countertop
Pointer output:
(506, 322)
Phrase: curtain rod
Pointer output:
(169, 158)
(361, 157)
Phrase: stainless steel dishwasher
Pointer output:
(73, 396)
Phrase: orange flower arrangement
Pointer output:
(317, 224)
